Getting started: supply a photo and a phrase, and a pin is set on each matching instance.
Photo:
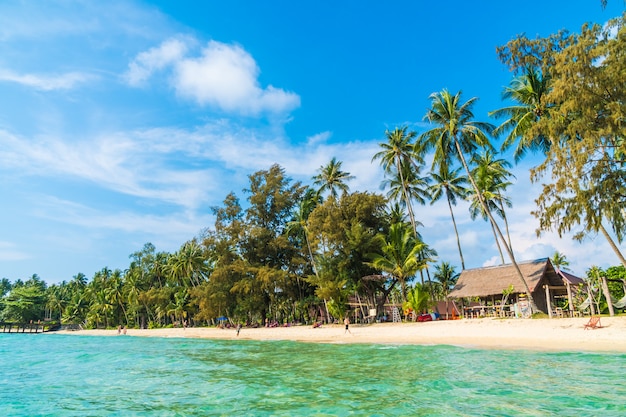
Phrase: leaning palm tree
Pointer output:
(331, 178)
(477, 209)
(399, 155)
(528, 93)
(456, 134)
(493, 173)
(452, 185)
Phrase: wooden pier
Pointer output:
(8, 327)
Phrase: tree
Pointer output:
(559, 261)
(451, 184)
(586, 102)
(490, 174)
(456, 134)
(299, 223)
(398, 255)
(25, 303)
(342, 234)
(447, 276)
(399, 155)
(528, 93)
(265, 269)
(445, 273)
(331, 178)
(416, 300)
(189, 265)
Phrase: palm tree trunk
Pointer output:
(407, 200)
(506, 223)
(498, 244)
(531, 300)
(456, 232)
(306, 237)
(613, 245)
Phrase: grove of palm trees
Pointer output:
(286, 251)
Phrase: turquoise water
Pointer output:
(56, 375)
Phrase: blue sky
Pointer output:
(123, 122)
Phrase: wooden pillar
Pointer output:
(548, 303)
(570, 301)
(607, 295)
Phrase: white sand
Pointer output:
(567, 334)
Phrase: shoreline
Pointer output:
(555, 335)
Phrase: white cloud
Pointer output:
(146, 63)
(223, 76)
(47, 82)
(182, 226)
(132, 163)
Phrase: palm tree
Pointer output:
(476, 209)
(399, 155)
(559, 261)
(331, 178)
(189, 265)
(416, 300)
(395, 214)
(452, 185)
(407, 182)
(489, 175)
(447, 276)
(399, 254)
(494, 173)
(528, 93)
(456, 131)
(299, 222)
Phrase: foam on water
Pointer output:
(56, 375)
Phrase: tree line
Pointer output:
(296, 252)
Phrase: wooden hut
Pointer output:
(488, 284)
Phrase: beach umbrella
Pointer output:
(222, 318)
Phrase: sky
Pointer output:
(124, 122)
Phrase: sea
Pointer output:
(67, 375)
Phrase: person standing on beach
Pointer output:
(346, 321)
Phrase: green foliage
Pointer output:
(581, 127)
(417, 300)
(24, 303)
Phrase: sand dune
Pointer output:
(567, 334)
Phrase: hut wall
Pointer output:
(539, 295)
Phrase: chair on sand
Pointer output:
(594, 323)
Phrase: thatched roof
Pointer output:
(482, 282)
(573, 280)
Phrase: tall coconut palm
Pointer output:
(528, 92)
(493, 172)
(331, 178)
(408, 182)
(451, 184)
(456, 134)
(477, 209)
(399, 155)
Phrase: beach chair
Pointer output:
(594, 323)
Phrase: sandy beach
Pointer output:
(565, 334)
